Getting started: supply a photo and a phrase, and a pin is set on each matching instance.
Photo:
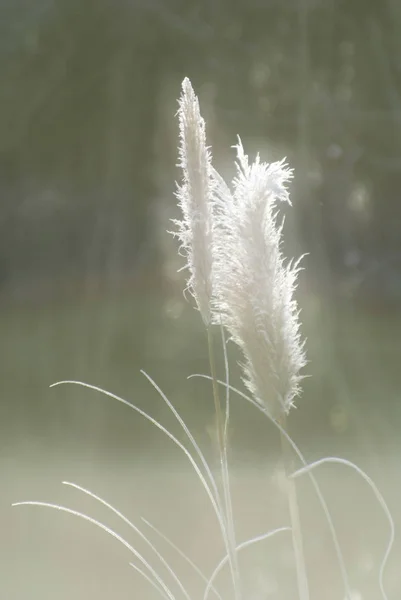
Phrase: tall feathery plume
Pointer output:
(254, 286)
(254, 300)
(195, 200)
(195, 232)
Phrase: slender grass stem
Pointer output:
(242, 546)
(182, 554)
(211, 490)
(343, 461)
(323, 503)
(153, 574)
(216, 396)
(222, 444)
(296, 529)
(136, 529)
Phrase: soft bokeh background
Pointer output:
(89, 288)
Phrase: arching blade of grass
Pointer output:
(113, 534)
(379, 497)
(313, 480)
(242, 546)
(228, 533)
(136, 529)
(181, 553)
(213, 495)
(149, 580)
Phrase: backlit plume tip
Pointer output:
(194, 195)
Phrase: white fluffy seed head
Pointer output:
(194, 195)
(253, 286)
(237, 272)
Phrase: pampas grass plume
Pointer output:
(194, 195)
(254, 287)
(237, 273)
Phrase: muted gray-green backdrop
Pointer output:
(88, 275)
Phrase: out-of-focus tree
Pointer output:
(81, 146)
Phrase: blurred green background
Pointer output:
(89, 288)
